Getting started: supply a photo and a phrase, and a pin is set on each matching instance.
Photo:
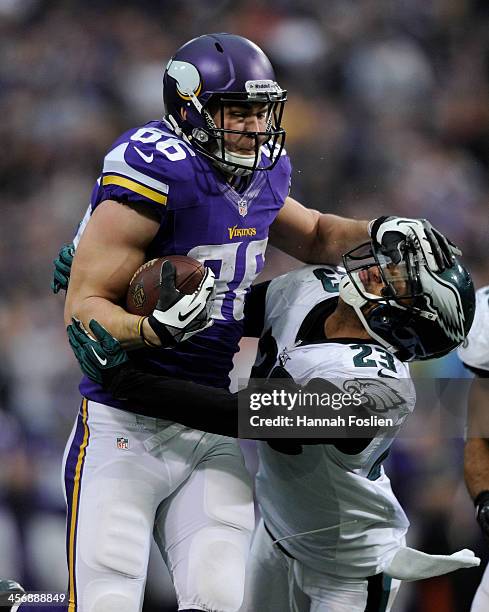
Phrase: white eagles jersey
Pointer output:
(475, 350)
(348, 498)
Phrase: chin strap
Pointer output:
(351, 296)
(176, 128)
(349, 293)
(228, 166)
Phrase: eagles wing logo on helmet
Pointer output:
(378, 396)
(444, 300)
(187, 78)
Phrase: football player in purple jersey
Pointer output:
(211, 180)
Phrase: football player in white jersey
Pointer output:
(332, 532)
(475, 355)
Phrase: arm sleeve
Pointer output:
(206, 408)
(193, 405)
(254, 310)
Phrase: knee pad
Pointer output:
(103, 595)
(217, 561)
(117, 528)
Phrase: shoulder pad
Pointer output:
(148, 162)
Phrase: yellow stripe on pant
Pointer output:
(74, 509)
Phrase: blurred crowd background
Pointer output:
(388, 112)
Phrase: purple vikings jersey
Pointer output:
(203, 217)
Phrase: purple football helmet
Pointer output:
(211, 71)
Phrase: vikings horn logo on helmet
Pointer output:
(187, 78)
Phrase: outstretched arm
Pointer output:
(102, 359)
(191, 404)
(183, 401)
(313, 237)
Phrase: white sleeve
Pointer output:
(475, 350)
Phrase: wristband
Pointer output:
(373, 226)
(140, 329)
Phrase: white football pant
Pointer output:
(126, 476)
(275, 581)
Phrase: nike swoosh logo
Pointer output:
(187, 314)
(102, 361)
(147, 158)
(381, 374)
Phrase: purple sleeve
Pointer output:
(281, 178)
(139, 170)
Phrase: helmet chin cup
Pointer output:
(350, 294)
(234, 162)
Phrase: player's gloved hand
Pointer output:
(482, 511)
(99, 358)
(390, 234)
(62, 268)
(178, 316)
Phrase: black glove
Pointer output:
(99, 358)
(390, 233)
(481, 503)
(62, 268)
(178, 316)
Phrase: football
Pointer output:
(143, 290)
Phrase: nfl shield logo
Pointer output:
(122, 443)
(243, 207)
(138, 295)
(283, 357)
